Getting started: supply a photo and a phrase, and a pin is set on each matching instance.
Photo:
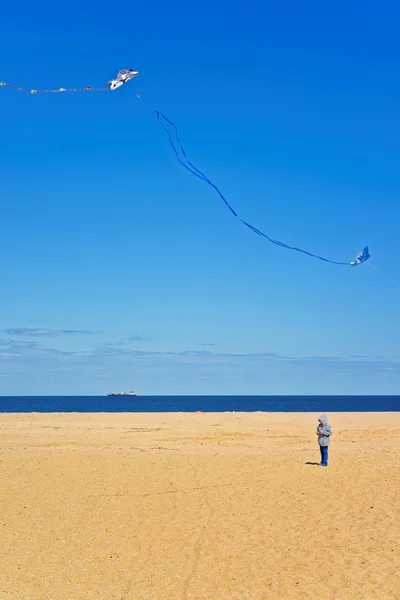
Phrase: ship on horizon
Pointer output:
(121, 394)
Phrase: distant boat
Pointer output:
(121, 394)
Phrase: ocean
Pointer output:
(27, 404)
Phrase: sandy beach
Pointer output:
(200, 506)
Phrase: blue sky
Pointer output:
(122, 271)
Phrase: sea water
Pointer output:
(199, 403)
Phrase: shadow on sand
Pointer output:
(312, 463)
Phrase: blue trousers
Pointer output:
(324, 455)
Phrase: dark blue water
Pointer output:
(203, 403)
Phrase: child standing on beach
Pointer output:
(324, 431)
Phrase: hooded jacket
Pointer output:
(325, 429)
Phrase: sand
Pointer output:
(204, 506)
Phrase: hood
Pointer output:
(324, 419)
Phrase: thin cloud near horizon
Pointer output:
(136, 337)
(44, 332)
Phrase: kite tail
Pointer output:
(88, 88)
(189, 166)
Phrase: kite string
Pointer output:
(195, 171)
(384, 274)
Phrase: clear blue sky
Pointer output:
(121, 270)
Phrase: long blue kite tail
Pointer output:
(197, 173)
